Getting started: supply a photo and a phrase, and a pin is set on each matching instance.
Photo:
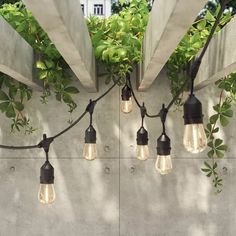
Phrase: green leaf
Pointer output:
(72, 90)
(67, 98)
(219, 154)
(224, 121)
(41, 65)
(10, 112)
(19, 106)
(228, 113)
(3, 96)
(218, 142)
(205, 170)
(4, 106)
(210, 154)
(207, 164)
(12, 92)
(214, 118)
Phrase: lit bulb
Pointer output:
(46, 193)
(195, 139)
(90, 147)
(126, 101)
(126, 105)
(164, 164)
(90, 151)
(142, 152)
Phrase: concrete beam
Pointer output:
(168, 22)
(220, 57)
(64, 23)
(16, 56)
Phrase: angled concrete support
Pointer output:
(65, 25)
(220, 57)
(16, 56)
(168, 22)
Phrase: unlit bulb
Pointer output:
(90, 151)
(126, 105)
(142, 152)
(195, 139)
(163, 164)
(46, 193)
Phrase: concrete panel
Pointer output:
(64, 23)
(53, 117)
(86, 199)
(181, 203)
(219, 60)
(17, 56)
(168, 22)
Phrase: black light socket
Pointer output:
(163, 145)
(126, 93)
(90, 135)
(193, 111)
(142, 136)
(47, 173)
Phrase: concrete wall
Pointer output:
(115, 194)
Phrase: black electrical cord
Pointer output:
(45, 143)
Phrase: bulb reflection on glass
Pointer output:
(163, 164)
(195, 139)
(126, 105)
(90, 151)
(46, 193)
(142, 152)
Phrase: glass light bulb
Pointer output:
(46, 193)
(126, 105)
(195, 139)
(90, 151)
(142, 152)
(164, 164)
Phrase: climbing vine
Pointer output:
(52, 70)
(177, 67)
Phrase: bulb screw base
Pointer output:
(142, 136)
(47, 173)
(90, 135)
(193, 111)
(163, 145)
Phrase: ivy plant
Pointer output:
(50, 66)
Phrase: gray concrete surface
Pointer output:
(65, 25)
(220, 58)
(168, 22)
(17, 56)
(115, 194)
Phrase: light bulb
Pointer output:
(126, 101)
(195, 139)
(46, 193)
(90, 147)
(90, 151)
(142, 152)
(164, 164)
(126, 105)
(142, 144)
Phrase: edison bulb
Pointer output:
(195, 139)
(142, 152)
(164, 164)
(126, 105)
(90, 151)
(46, 193)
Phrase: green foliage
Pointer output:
(189, 46)
(51, 68)
(117, 41)
(223, 111)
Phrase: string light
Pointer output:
(194, 134)
(142, 139)
(126, 100)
